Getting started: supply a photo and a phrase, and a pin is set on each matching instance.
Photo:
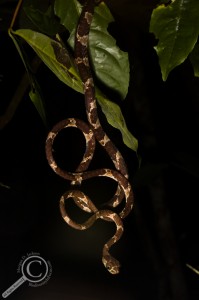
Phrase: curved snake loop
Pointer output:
(83, 201)
(77, 177)
(92, 132)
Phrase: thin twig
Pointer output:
(193, 269)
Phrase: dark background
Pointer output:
(161, 234)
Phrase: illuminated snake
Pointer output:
(91, 132)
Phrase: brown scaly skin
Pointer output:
(92, 132)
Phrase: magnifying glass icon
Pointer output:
(27, 267)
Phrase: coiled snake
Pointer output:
(91, 132)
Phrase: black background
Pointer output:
(161, 234)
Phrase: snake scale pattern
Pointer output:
(92, 132)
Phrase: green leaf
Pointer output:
(54, 55)
(176, 26)
(35, 94)
(44, 21)
(68, 11)
(110, 64)
(115, 118)
(194, 58)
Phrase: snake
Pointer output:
(92, 132)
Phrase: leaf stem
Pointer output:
(15, 14)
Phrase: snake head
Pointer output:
(111, 264)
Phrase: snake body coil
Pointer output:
(91, 132)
